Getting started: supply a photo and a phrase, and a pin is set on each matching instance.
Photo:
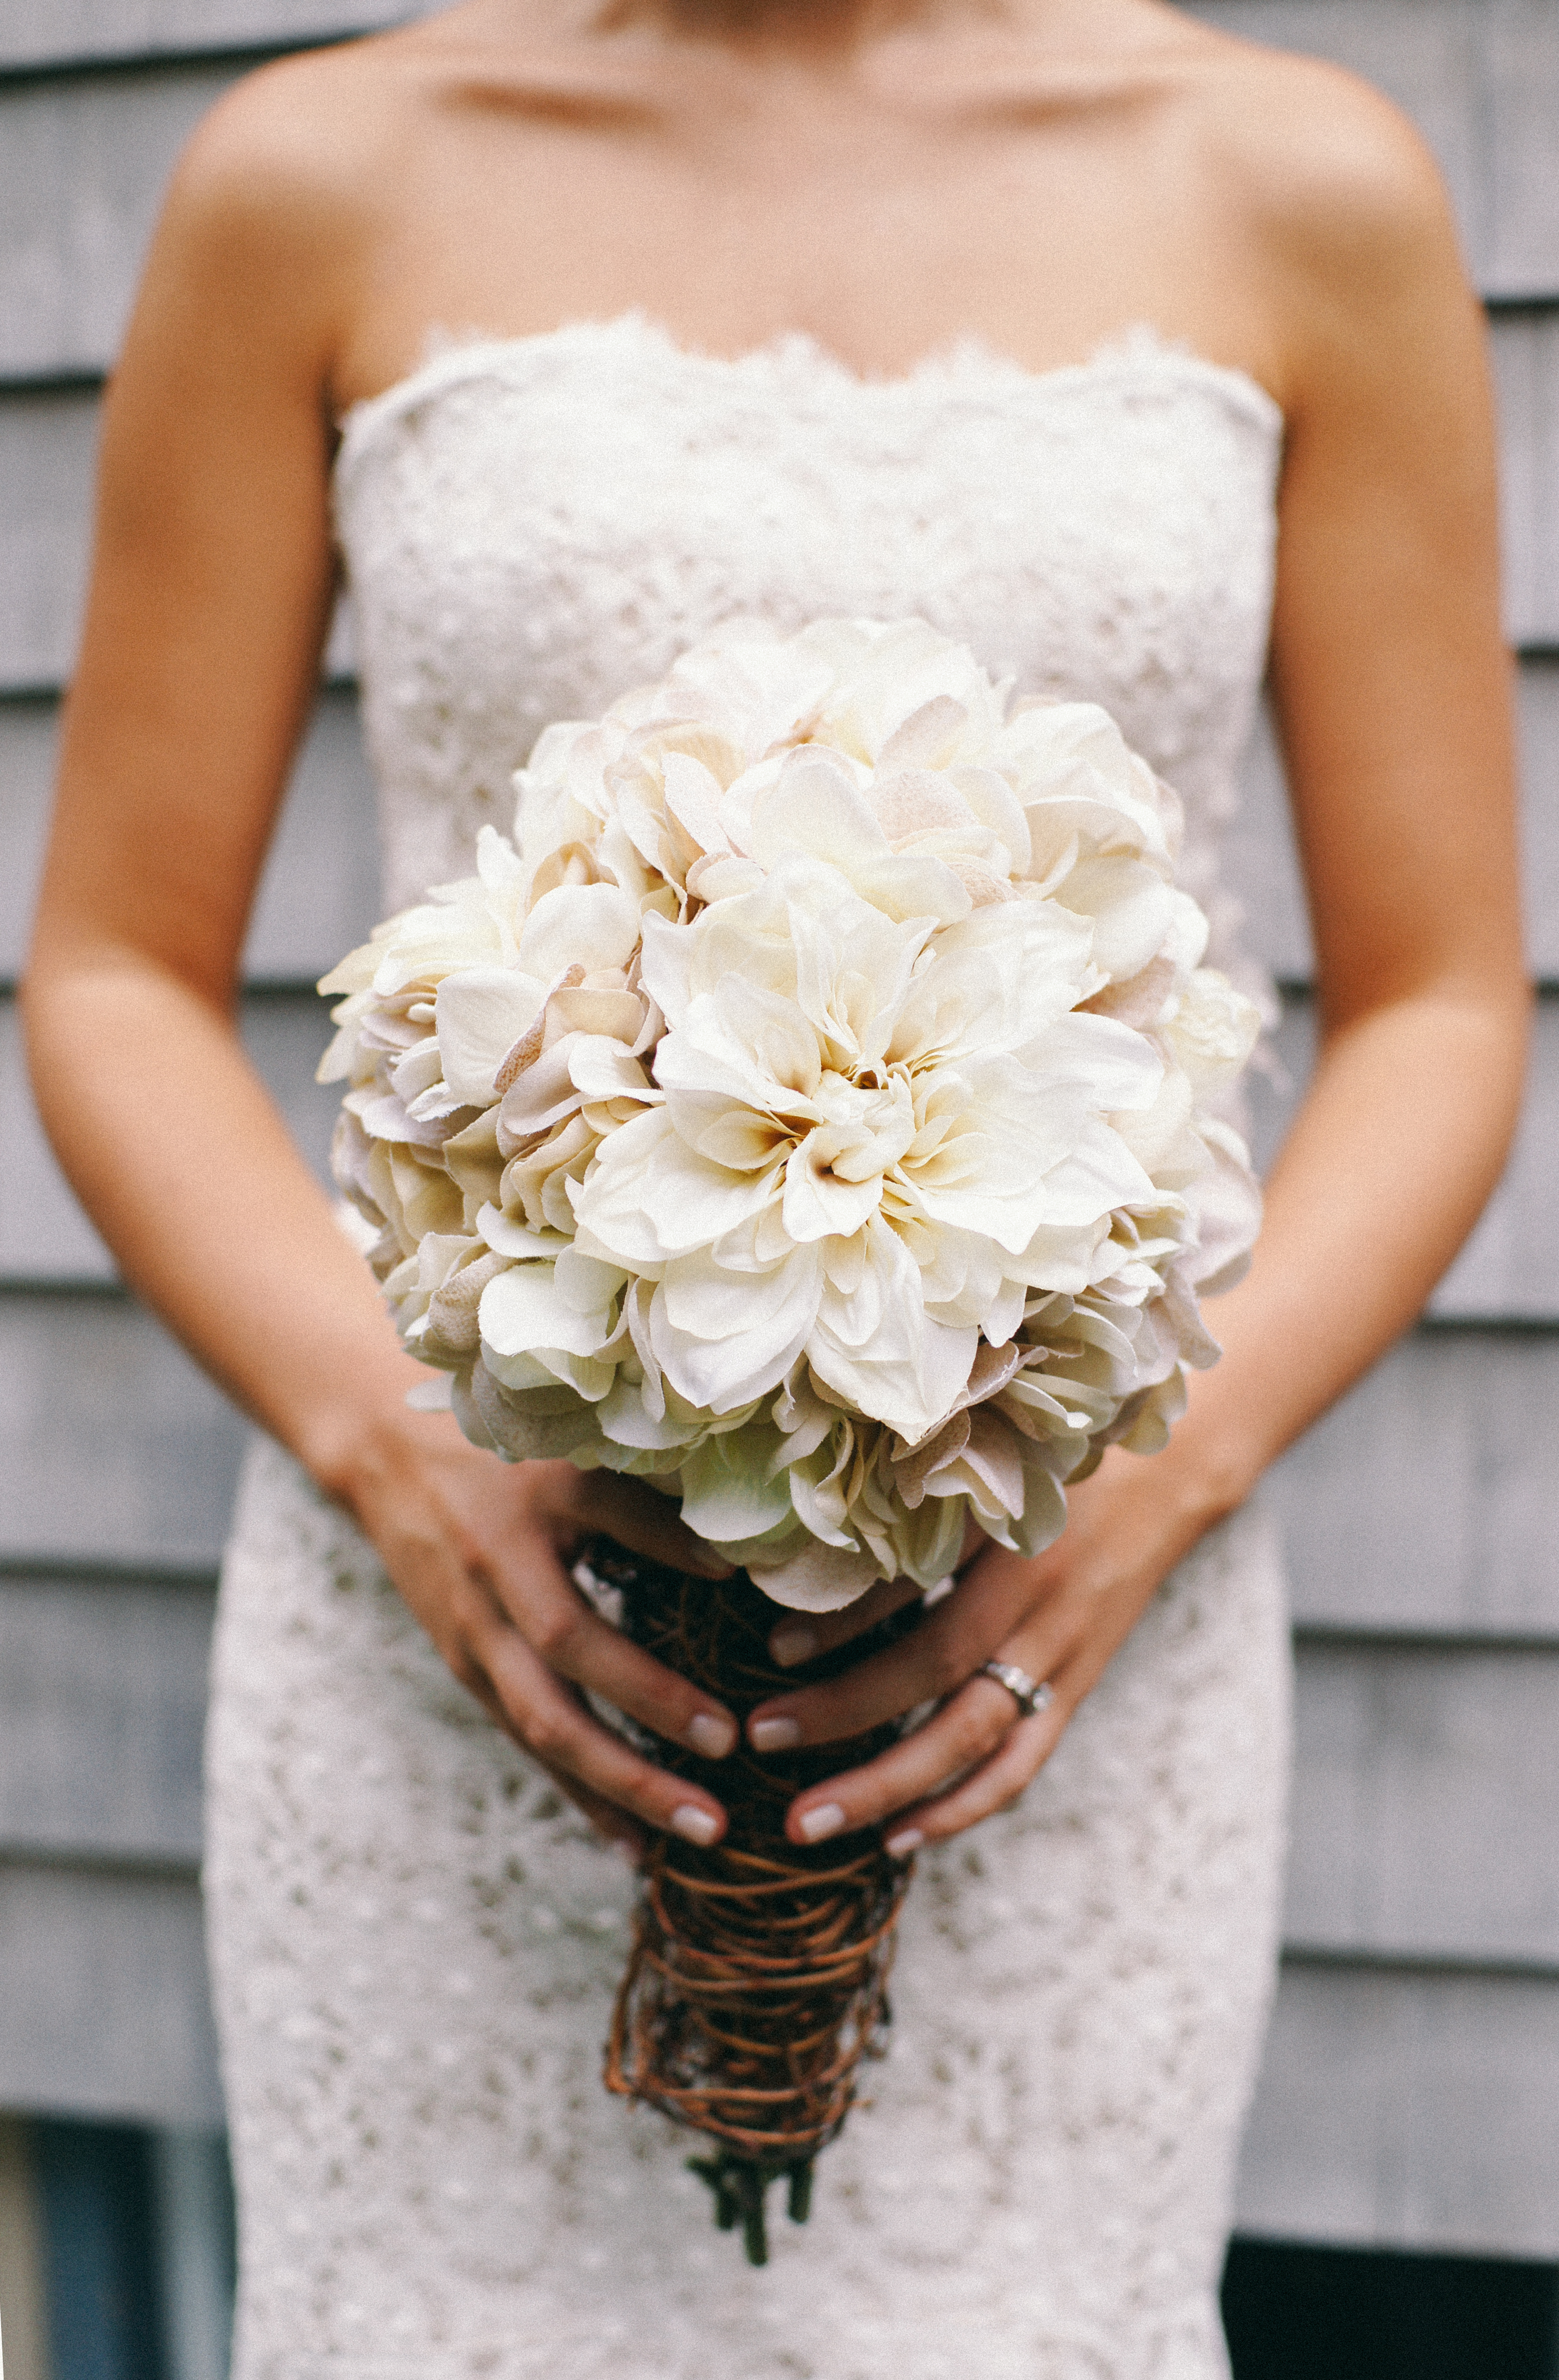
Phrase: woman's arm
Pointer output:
(211, 593)
(1392, 685)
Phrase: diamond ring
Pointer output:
(1029, 1695)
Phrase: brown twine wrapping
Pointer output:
(756, 1979)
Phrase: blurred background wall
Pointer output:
(1408, 2114)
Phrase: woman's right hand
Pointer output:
(481, 1551)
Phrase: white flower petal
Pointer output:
(523, 1312)
(481, 1012)
(816, 1578)
(511, 1239)
(722, 1338)
(593, 926)
(649, 1196)
(727, 1492)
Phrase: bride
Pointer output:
(1121, 351)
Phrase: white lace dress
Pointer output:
(416, 1941)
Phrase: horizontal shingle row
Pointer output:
(65, 37)
(319, 891)
(1422, 1504)
(1508, 1271)
(1410, 1762)
(1405, 2106)
(47, 440)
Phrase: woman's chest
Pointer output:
(533, 526)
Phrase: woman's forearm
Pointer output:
(214, 1218)
(1400, 1137)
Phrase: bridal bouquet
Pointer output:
(811, 1111)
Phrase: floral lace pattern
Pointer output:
(415, 1938)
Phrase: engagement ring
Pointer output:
(1031, 1697)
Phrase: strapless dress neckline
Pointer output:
(968, 365)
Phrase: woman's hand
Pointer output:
(481, 1551)
(1061, 1617)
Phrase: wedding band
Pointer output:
(1031, 1697)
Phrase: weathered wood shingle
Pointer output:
(103, 1694)
(1407, 2107)
(104, 1987)
(82, 176)
(52, 35)
(115, 1452)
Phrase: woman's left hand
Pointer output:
(1061, 1617)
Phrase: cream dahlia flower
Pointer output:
(809, 1109)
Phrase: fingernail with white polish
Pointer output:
(826, 1819)
(695, 1825)
(906, 1841)
(790, 1645)
(774, 1734)
(711, 1736)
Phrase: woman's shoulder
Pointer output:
(1323, 165)
(1270, 155)
(1329, 210)
(292, 186)
(335, 123)
(321, 158)
(310, 135)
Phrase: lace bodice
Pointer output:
(532, 526)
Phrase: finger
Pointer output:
(971, 1728)
(802, 1636)
(613, 1824)
(459, 1603)
(539, 1599)
(567, 1740)
(646, 1523)
(994, 1785)
(966, 1629)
